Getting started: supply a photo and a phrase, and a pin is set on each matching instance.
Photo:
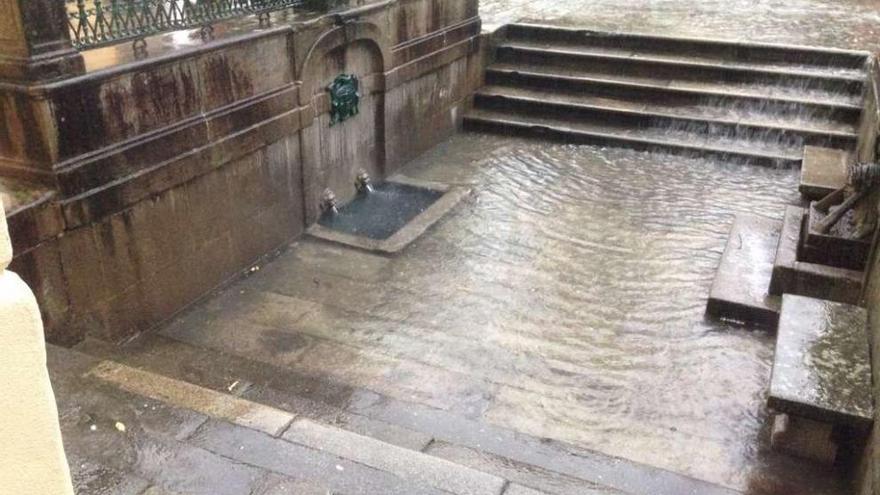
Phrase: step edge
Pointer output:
(672, 116)
(693, 64)
(725, 151)
(707, 41)
(658, 87)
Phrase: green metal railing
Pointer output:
(102, 22)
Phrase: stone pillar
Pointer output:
(35, 41)
(32, 460)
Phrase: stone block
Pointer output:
(792, 276)
(821, 369)
(832, 249)
(804, 438)
(823, 171)
(740, 290)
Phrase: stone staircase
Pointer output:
(744, 102)
(162, 416)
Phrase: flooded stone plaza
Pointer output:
(607, 269)
(565, 300)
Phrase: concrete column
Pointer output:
(35, 41)
(32, 460)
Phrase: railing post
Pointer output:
(32, 458)
(35, 41)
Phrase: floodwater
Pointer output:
(564, 298)
(579, 277)
(852, 24)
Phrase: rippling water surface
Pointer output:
(837, 23)
(576, 278)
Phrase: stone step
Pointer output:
(733, 100)
(511, 121)
(419, 472)
(697, 120)
(791, 276)
(740, 291)
(126, 444)
(775, 55)
(553, 467)
(682, 67)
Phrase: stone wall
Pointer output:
(176, 172)
(868, 475)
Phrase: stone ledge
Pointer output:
(823, 171)
(740, 289)
(821, 369)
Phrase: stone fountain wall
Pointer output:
(176, 172)
(868, 476)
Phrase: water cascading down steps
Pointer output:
(745, 102)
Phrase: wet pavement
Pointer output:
(563, 300)
(853, 24)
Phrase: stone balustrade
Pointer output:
(32, 459)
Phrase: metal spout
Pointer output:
(329, 202)
(363, 182)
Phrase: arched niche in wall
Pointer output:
(333, 155)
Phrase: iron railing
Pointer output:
(102, 22)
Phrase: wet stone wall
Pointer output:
(176, 172)
(868, 475)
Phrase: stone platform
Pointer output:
(740, 289)
(821, 370)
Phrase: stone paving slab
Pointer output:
(299, 462)
(740, 291)
(185, 395)
(407, 464)
(823, 171)
(519, 474)
(514, 489)
(620, 474)
(123, 444)
(822, 369)
(283, 388)
(404, 422)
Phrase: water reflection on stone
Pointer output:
(838, 23)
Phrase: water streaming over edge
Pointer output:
(580, 277)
